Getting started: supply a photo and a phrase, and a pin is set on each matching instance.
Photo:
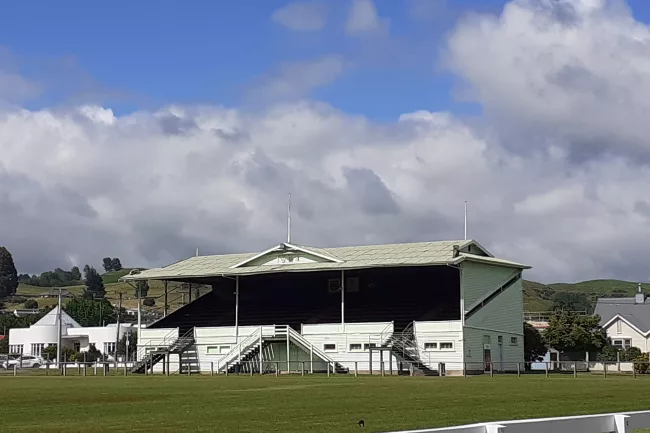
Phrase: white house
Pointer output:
(626, 320)
(32, 340)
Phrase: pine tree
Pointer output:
(8, 274)
(94, 283)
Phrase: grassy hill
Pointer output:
(537, 296)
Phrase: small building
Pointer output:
(626, 320)
(54, 293)
(32, 340)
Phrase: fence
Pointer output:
(385, 368)
(614, 422)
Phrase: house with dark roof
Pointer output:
(626, 320)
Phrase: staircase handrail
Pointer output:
(167, 340)
(240, 347)
(388, 331)
(297, 337)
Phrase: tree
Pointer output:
(107, 263)
(571, 301)
(141, 289)
(4, 345)
(31, 304)
(91, 312)
(534, 347)
(94, 283)
(571, 333)
(116, 265)
(75, 273)
(133, 345)
(8, 274)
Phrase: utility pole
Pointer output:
(117, 332)
(59, 332)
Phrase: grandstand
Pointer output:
(429, 307)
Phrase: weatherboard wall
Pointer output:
(501, 317)
(428, 334)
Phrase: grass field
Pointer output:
(295, 404)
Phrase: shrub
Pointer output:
(607, 354)
(630, 354)
(641, 363)
(149, 302)
(31, 304)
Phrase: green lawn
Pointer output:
(296, 404)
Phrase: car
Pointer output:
(26, 361)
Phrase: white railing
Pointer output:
(624, 422)
(306, 345)
(166, 341)
(240, 348)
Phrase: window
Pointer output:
(223, 350)
(430, 346)
(500, 339)
(486, 339)
(513, 341)
(352, 284)
(16, 349)
(76, 346)
(368, 346)
(627, 344)
(618, 327)
(37, 349)
(334, 285)
(109, 348)
(446, 346)
(618, 344)
(330, 347)
(355, 346)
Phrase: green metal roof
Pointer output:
(357, 257)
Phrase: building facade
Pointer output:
(626, 320)
(443, 307)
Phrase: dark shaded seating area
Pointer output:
(387, 294)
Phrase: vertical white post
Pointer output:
(288, 350)
(139, 323)
(261, 354)
(289, 220)
(343, 301)
(59, 332)
(622, 424)
(237, 315)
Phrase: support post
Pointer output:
(575, 370)
(288, 350)
(15, 370)
(227, 369)
(189, 293)
(165, 306)
(117, 328)
(277, 369)
(261, 354)
(491, 369)
(59, 333)
(546, 369)
(302, 368)
(604, 369)
(212, 369)
(237, 315)
(356, 369)
(370, 360)
(381, 362)
(311, 359)
(343, 301)
(518, 369)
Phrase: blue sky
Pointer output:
(130, 55)
(136, 55)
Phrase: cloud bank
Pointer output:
(556, 177)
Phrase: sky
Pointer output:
(143, 132)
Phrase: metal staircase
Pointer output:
(246, 350)
(404, 346)
(153, 353)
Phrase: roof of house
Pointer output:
(353, 257)
(51, 319)
(638, 314)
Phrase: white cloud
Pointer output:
(363, 19)
(556, 181)
(302, 16)
(294, 80)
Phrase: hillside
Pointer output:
(537, 296)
